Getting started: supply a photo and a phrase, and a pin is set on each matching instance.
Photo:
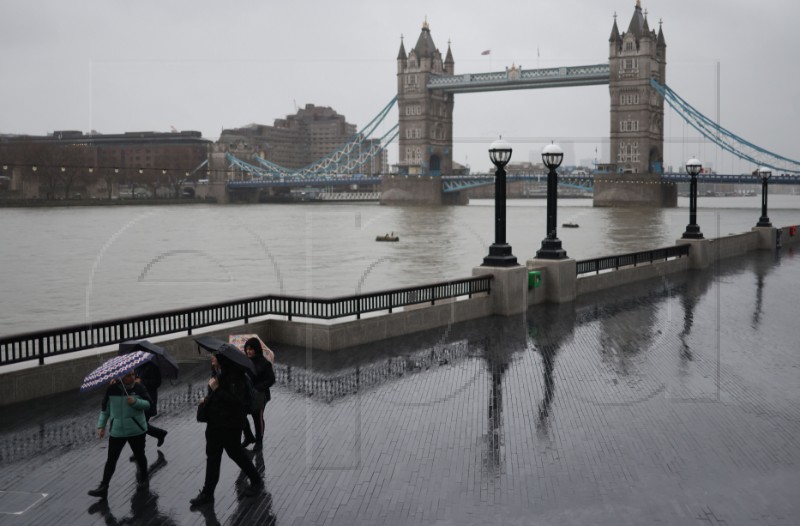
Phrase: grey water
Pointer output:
(63, 266)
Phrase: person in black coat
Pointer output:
(149, 376)
(224, 412)
(262, 380)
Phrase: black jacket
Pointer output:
(151, 377)
(265, 374)
(225, 407)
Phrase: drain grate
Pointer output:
(18, 502)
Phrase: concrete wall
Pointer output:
(68, 372)
(335, 336)
(628, 190)
(413, 190)
(787, 239)
(625, 276)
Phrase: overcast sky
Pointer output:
(115, 66)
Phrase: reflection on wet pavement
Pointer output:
(672, 401)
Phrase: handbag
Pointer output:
(202, 412)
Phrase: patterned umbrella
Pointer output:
(240, 339)
(116, 367)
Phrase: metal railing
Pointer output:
(53, 342)
(596, 265)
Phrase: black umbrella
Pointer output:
(229, 351)
(166, 364)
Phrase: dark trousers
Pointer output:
(219, 439)
(153, 431)
(258, 423)
(115, 445)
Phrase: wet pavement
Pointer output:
(675, 401)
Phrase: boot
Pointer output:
(100, 491)
(161, 438)
(202, 499)
(254, 488)
(142, 481)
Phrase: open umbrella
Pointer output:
(240, 339)
(116, 367)
(161, 358)
(216, 346)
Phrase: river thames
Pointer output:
(61, 266)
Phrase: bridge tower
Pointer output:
(426, 116)
(425, 127)
(637, 118)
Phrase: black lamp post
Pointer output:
(693, 168)
(764, 174)
(500, 252)
(552, 155)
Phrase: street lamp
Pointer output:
(693, 168)
(764, 173)
(552, 155)
(500, 253)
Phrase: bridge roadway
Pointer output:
(518, 78)
(672, 402)
(456, 183)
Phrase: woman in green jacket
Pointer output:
(123, 411)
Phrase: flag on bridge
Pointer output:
(486, 52)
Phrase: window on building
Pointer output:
(626, 98)
(628, 126)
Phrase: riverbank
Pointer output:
(46, 203)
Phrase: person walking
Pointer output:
(149, 375)
(123, 410)
(223, 410)
(263, 379)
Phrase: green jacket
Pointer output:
(124, 420)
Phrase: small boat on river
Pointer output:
(570, 225)
(387, 237)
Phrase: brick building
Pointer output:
(299, 140)
(69, 164)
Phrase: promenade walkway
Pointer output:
(676, 401)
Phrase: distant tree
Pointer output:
(31, 158)
(151, 179)
(69, 165)
(175, 177)
(111, 177)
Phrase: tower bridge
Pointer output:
(427, 83)
(426, 89)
